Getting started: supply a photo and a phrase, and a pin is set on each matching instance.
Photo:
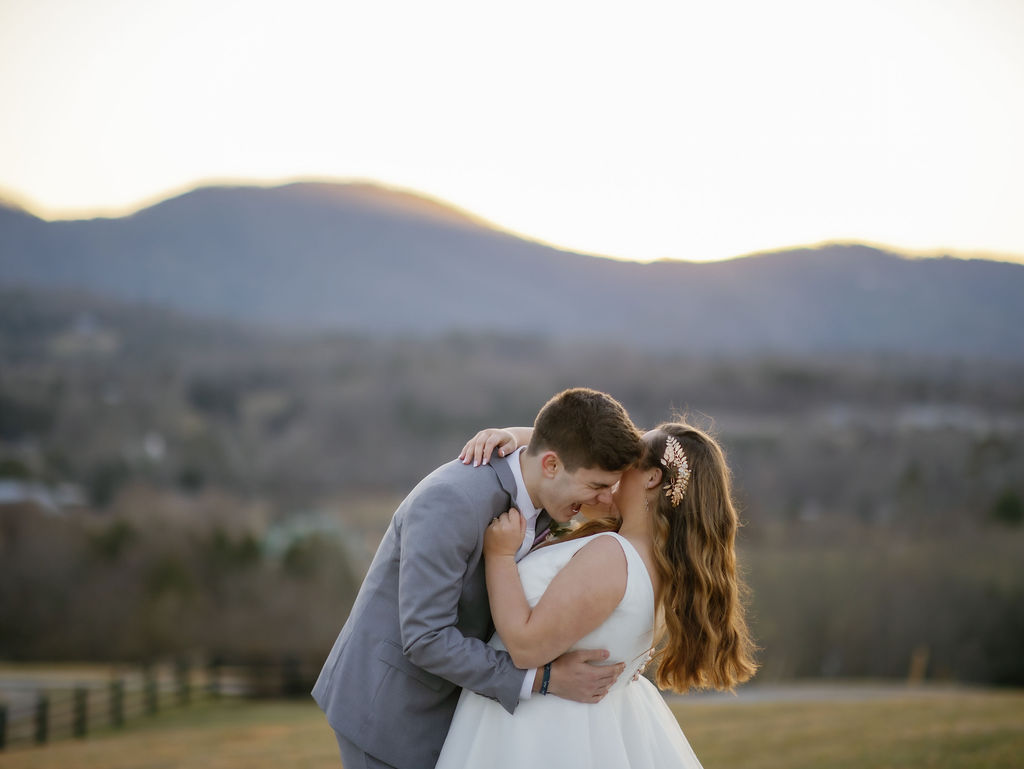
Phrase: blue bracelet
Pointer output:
(546, 680)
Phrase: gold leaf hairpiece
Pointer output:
(675, 460)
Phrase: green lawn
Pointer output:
(967, 730)
(972, 730)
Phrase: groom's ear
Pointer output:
(549, 464)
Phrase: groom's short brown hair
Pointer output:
(586, 428)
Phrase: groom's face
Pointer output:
(566, 492)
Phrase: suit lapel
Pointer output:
(508, 485)
(505, 478)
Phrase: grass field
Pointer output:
(961, 730)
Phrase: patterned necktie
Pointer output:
(542, 527)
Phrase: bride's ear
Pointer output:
(652, 478)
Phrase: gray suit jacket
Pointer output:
(416, 634)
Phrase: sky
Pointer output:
(641, 130)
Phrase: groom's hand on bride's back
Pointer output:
(580, 676)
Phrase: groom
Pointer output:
(416, 634)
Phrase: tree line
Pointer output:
(232, 483)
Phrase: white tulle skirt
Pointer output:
(631, 728)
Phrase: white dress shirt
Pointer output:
(525, 506)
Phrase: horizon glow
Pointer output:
(675, 130)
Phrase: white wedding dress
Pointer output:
(631, 728)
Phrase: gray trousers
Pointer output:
(352, 757)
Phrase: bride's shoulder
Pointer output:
(575, 543)
(604, 546)
(600, 564)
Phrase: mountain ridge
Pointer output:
(320, 256)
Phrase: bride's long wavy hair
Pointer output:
(705, 642)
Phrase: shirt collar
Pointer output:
(523, 502)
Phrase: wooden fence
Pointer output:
(38, 709)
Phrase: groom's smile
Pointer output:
(569, 491)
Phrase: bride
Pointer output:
(656, 581)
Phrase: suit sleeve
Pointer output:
(440, 535)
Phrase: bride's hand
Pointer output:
(505, 534)
(479, 448)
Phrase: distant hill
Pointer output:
(364, 258)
